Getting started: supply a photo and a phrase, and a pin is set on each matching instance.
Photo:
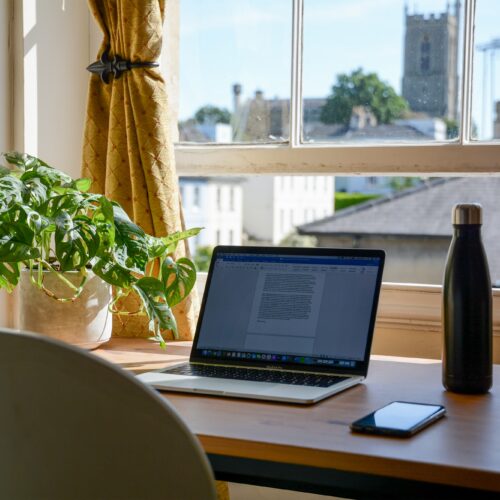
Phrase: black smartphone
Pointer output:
(399, 418)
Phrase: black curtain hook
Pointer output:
(117, 66)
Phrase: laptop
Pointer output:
(282, 324)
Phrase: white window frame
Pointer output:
(460, 157)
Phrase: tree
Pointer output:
(359, 89)
(401, 183)
(202, 257)
(212, 114)
(345, 200)
(451, 128)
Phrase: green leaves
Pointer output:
(48, 221)
(76, 241)
(82, 185)
(152, 293)
(12, 191)
(360, 89)
(178, 278)
(172, 240)
(9, 275)
(16, 243)
(113, 273)
(22, 160)
(131, 245)
(103, 219)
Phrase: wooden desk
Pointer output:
(310, 448)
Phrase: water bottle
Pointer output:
(467, 297)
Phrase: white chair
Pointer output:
(73, 426)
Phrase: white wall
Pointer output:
(274, 206)
(5, 125)
(219, 219)
(5, 76)
(299, 200)
(51, 57)
(258, 207)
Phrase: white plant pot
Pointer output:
(85, 322)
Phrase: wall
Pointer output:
(273, 206)
(50, 104)
(408, 260)
(258, 207)
(5, 115)
(5, 76)
(218, 220)
(300, 199)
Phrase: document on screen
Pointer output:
(286, 304)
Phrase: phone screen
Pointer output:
(400, 417)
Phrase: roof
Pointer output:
(424, 211)
(384, 132)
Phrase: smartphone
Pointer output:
(399, 418)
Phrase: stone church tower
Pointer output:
(430, 78)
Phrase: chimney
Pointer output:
(236, 96)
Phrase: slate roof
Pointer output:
(424, 211)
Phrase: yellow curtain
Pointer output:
(127, 149)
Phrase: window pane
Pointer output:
(486, 85)
(254, 210)
(408, 217)
(235, 63)
(381, 72)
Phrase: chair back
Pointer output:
(75, 426)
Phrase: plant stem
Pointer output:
(59, 275)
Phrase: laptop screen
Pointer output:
(313, 308)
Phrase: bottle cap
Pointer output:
(467, 213)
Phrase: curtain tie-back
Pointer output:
(105, 66)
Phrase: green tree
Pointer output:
(400, 183)
(345, 200)
(451, 128)
(203, 257)
(360, 89)
(212, 114)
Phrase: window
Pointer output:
(219, 197)
(271, 52)
(433, 148)
(425, 53)
(196, 197)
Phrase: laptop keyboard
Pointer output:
(277, 377)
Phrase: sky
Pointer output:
(223, 42)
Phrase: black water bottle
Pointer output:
(467, 320)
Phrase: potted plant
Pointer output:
(56, 231)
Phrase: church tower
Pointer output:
(430, 78)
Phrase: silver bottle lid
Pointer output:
(467, 213)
